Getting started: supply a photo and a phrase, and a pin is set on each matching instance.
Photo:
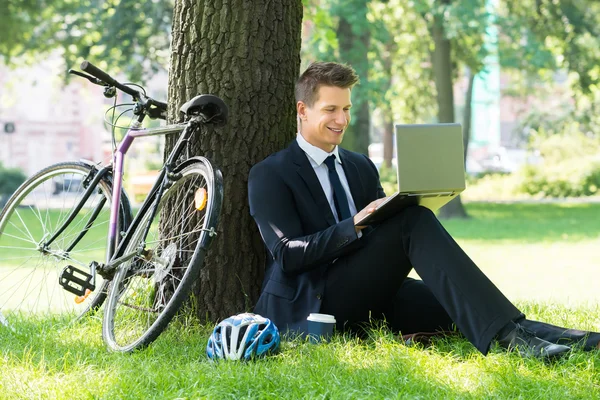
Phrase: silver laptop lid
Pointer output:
(430, 158)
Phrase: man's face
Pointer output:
(323, 125)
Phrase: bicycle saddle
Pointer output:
(211, 107)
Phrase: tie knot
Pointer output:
(330, 162)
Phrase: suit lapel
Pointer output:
(307, 173)
(353, 177)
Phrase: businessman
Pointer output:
(305, 200)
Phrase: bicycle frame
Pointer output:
(118, 164)
(134, 131)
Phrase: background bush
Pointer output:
(389, 179)
(10, 180)
(571, 166)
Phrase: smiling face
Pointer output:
(323, 124)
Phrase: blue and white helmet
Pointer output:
(242, 337)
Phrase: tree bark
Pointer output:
(455, 209)
(388, 140)
(354, 40)
(386, 107)
(248, 53)
(468, 113)
(442, 70)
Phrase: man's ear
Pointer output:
(301, 110)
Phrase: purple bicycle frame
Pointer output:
(118, 163)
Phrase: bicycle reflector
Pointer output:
(200, 198)
(81, 299)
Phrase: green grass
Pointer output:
(70, 361)
(26, 228)
(24, 269)
(543, 252)
(528, 223)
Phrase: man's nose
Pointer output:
(341, 118)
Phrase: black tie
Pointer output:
(339, 194)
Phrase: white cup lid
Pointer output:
(325, 318)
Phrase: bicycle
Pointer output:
(52, 229)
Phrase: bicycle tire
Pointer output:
(147, 291)
(45, 199)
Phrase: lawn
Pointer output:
(24, 269)
(541, 252)
(542, 256)
(24, 231)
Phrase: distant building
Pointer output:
(48, 121)
(52, 121)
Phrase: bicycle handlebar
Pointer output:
(159, 109)
(91, 69)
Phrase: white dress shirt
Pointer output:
(316, 157)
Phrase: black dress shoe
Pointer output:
(529, 345)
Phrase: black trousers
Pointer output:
(415, 309)
(371, 283)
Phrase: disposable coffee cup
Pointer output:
(320, 327)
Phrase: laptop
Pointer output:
(430, 167)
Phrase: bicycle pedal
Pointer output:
(76, 281)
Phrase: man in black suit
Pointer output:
(305, 200)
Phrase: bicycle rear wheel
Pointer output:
(147, 290)
(29, 273)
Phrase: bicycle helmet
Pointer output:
(243, 336)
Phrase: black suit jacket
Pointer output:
(299, 230)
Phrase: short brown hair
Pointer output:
(323, 74)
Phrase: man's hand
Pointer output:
(365, 211)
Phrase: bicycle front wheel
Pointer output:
(148, 289)
(30, 270)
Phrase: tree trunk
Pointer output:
(388, 115)
(388, 140)
(467, 117)
(442, 70)
(248, 53)
(455, 207)
(354, 40)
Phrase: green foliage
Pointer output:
(119, 35)
(466, 23)
(494, 187)
(577, 177)
(550, 34)
(567, 117)
(10, 180)
(397, 63)
(400, 76)
(571, 165)
(344, 36)
(321, 42)
(570, 168)
(389, 179)
(536, 37)
(566, 145)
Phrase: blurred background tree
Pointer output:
(10, 180)
(117, 35)
(420, 49)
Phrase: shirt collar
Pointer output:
(316, 154)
